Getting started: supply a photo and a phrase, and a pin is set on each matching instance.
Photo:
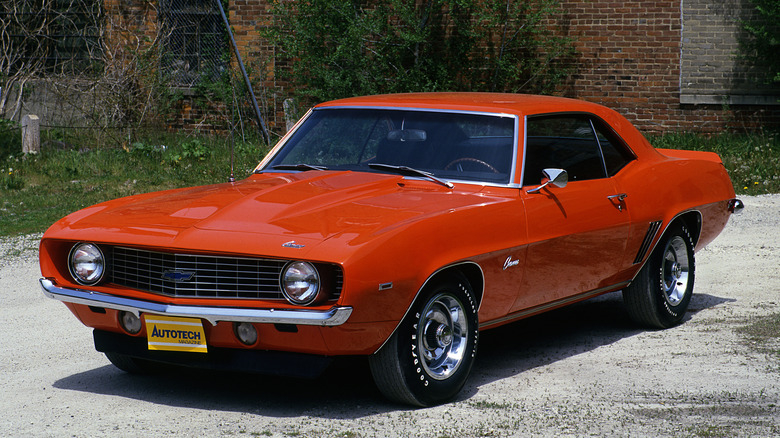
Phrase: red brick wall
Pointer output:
(628, 58)
(249, 18)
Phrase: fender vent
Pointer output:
(652, 230)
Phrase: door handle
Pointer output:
(620, 197)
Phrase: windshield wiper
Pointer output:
(410, 171)
(299, 166)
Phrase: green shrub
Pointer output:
(356, 47)
(762, 43)
(752, 160)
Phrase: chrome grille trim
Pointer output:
(209, 276)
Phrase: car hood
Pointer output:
(306, 207)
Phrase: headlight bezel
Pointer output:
(98, 258)
(299, 271)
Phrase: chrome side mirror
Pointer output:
(557, 177)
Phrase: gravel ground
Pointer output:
(583, 370)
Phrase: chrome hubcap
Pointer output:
(442, 332)
(675, 269)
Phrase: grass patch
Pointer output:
(37, 190)
(763, 334)
(752, 160)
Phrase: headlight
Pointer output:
(300, 283)
(86, 263)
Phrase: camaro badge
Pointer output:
(177, 276)
(509, 262)
(292, 244)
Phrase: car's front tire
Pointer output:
(659, 295)
(429, 357)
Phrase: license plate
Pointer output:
(175, 334)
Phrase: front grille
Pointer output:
(203, 276)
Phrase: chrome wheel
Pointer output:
(442, 335)
(675, 268)
(429, 357)
(660, 293)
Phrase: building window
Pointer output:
(194, 41)
(52, 36)
(711, 71)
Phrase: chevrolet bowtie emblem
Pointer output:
(177, 276)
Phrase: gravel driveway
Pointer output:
(583, 370)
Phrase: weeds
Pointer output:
(763, 334)
(36, 190)
(752, 160)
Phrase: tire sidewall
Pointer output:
(668, 313)
(425, 388)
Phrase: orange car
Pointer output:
(395, 227)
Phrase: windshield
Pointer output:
(456, 146)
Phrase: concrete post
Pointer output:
(31, 134)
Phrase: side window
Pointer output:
(565, 142)
(616, 154)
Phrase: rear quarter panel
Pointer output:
(672, 183)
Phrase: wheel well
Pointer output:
(473, 274)
(692, 221)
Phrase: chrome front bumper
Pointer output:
(331, 317)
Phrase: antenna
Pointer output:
(232, 177)
(240, 62)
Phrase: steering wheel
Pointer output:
(470, 160)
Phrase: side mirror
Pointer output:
(557, 177)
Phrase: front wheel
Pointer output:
(429, 357)
(659, 296)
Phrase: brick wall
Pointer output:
(249, 18)
(629, 57)
(130, 25)
(650, 60)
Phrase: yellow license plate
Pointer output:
(175, 334)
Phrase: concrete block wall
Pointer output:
(711, 70)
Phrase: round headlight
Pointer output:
(300, 283)
(86, 263)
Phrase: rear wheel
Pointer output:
(659, 296)
(429, 357)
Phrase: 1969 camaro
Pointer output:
(395, 227)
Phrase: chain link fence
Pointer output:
(121, 65)
(194, 41)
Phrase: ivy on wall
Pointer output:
(762, 43)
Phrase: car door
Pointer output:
(576, 234)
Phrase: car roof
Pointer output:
(523, 104)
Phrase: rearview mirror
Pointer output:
(407, 135)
